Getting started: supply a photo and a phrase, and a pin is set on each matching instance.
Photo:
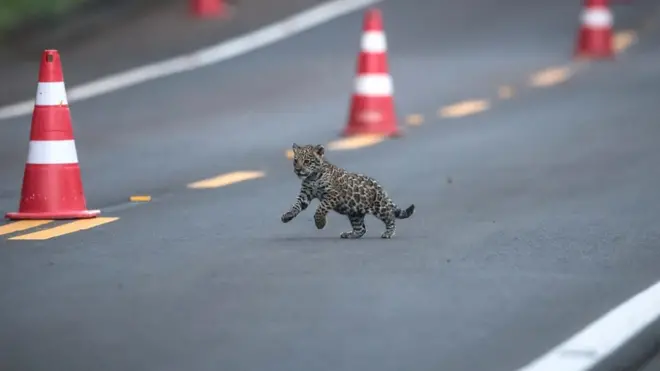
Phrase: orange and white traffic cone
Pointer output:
(372, 108)
(595, 39)
(52, 185)
(207, 8)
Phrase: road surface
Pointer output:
(534, 217)
(106, 42)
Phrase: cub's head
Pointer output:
(307, 159)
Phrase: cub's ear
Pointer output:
(295, 146)
(320, 150)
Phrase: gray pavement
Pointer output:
(653, 364)
(549, 220)
(129, 38)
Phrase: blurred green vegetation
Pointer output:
(14, 12)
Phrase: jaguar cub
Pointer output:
(350, 194)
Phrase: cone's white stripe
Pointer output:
(51, 94)
(374, 85)
(597, 17)
(374, 42)
(51, 152)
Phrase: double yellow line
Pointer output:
(52, 232)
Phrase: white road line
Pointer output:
(601, 338)
(210, 55)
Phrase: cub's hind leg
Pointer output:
(357, 223)
(386, 215)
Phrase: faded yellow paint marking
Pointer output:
(354, 142)
(505, 92)
(465, 108)
(415, 120)
(226, 179)
(550, 76)
(623, 40)
(60, 230)
(145, 198)
(289, 154)
(21, 225)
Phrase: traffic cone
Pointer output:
(207, 8)
(372, 108)
(52, 185)
(595, 39)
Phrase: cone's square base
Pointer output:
(56, 215)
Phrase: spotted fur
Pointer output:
(347, 193)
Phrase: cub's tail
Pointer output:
(404, 214)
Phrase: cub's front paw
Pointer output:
(287, 217)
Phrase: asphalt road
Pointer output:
(549, 219)
(123, 38)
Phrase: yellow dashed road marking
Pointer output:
(63, 229)
(505, 92)
(623, 40)
(226, 179)
(358, 141)
(550, 76)
(415, 120)
(465, 108)
(145, 198)
(21, 225)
